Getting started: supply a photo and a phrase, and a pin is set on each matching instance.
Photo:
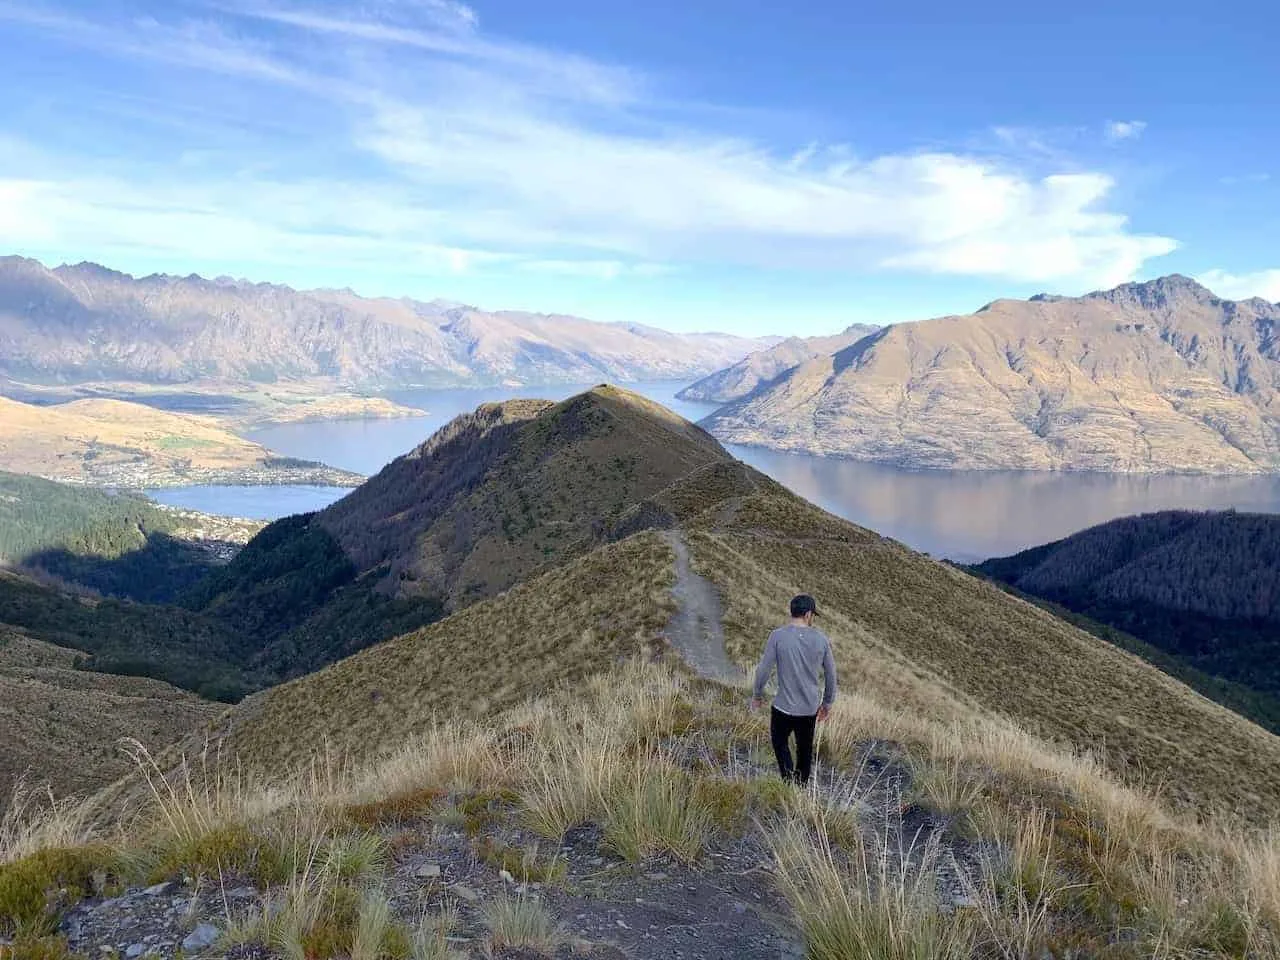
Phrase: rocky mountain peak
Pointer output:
(1163, 293)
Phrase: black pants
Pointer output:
(781, 727)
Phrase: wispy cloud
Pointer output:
(462, 151)
(1233, 179)
(1125, 129)
(1242, 286)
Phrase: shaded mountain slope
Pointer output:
(1203, 587)
(1153, 377)
(118, 544)
(748, 374)
(168, 643)
(486, 501)
(87, 323)
(906, 629)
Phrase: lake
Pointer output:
(959, 514)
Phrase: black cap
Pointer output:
(802, 604)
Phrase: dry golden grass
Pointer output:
(65, 723)
(1078, 864)
(868, 904)
(562, 627)
(109, 441)
(909, 630)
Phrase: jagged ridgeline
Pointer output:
(535, 528)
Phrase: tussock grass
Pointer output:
(36, 820)
(1069, 861)
(568, 783)
(358, 858)
(948, 786)
(521, 923)
(655, 808)
(867, 905)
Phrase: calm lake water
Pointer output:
(962, 515)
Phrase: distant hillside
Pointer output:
(119, 544)
(1203, 587)
(116, 443)
(490, 498)
(61, 724)
(744, 377)
(166, 643)
(925, 636)
(1148, 377)
(87, 323)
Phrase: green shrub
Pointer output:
(36, 890)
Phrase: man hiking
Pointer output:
(797, 651)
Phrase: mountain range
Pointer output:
(86, 323)
(1149, 377)
(744, 377)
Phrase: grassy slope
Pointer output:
(63, 724)
(489, 500)
(568, 623)
(909, 630)
(114, 441)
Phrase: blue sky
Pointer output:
(690, 164)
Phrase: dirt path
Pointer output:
(696, 630)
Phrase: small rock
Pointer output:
(428, 871)
(135, 950)
(655, 876)
(506, 877)
(241, 893)
(158, 889)
(202, 936)
(464, 892)
(596, 861)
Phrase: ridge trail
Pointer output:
(696, 630)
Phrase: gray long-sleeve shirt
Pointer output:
(798, 652)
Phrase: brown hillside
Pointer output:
(906, 629)
(63, 724)
(114, 442)
(498, 493)
(1154, 377)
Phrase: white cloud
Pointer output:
(475, 151)
(1125, 129)
(1243, 286)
